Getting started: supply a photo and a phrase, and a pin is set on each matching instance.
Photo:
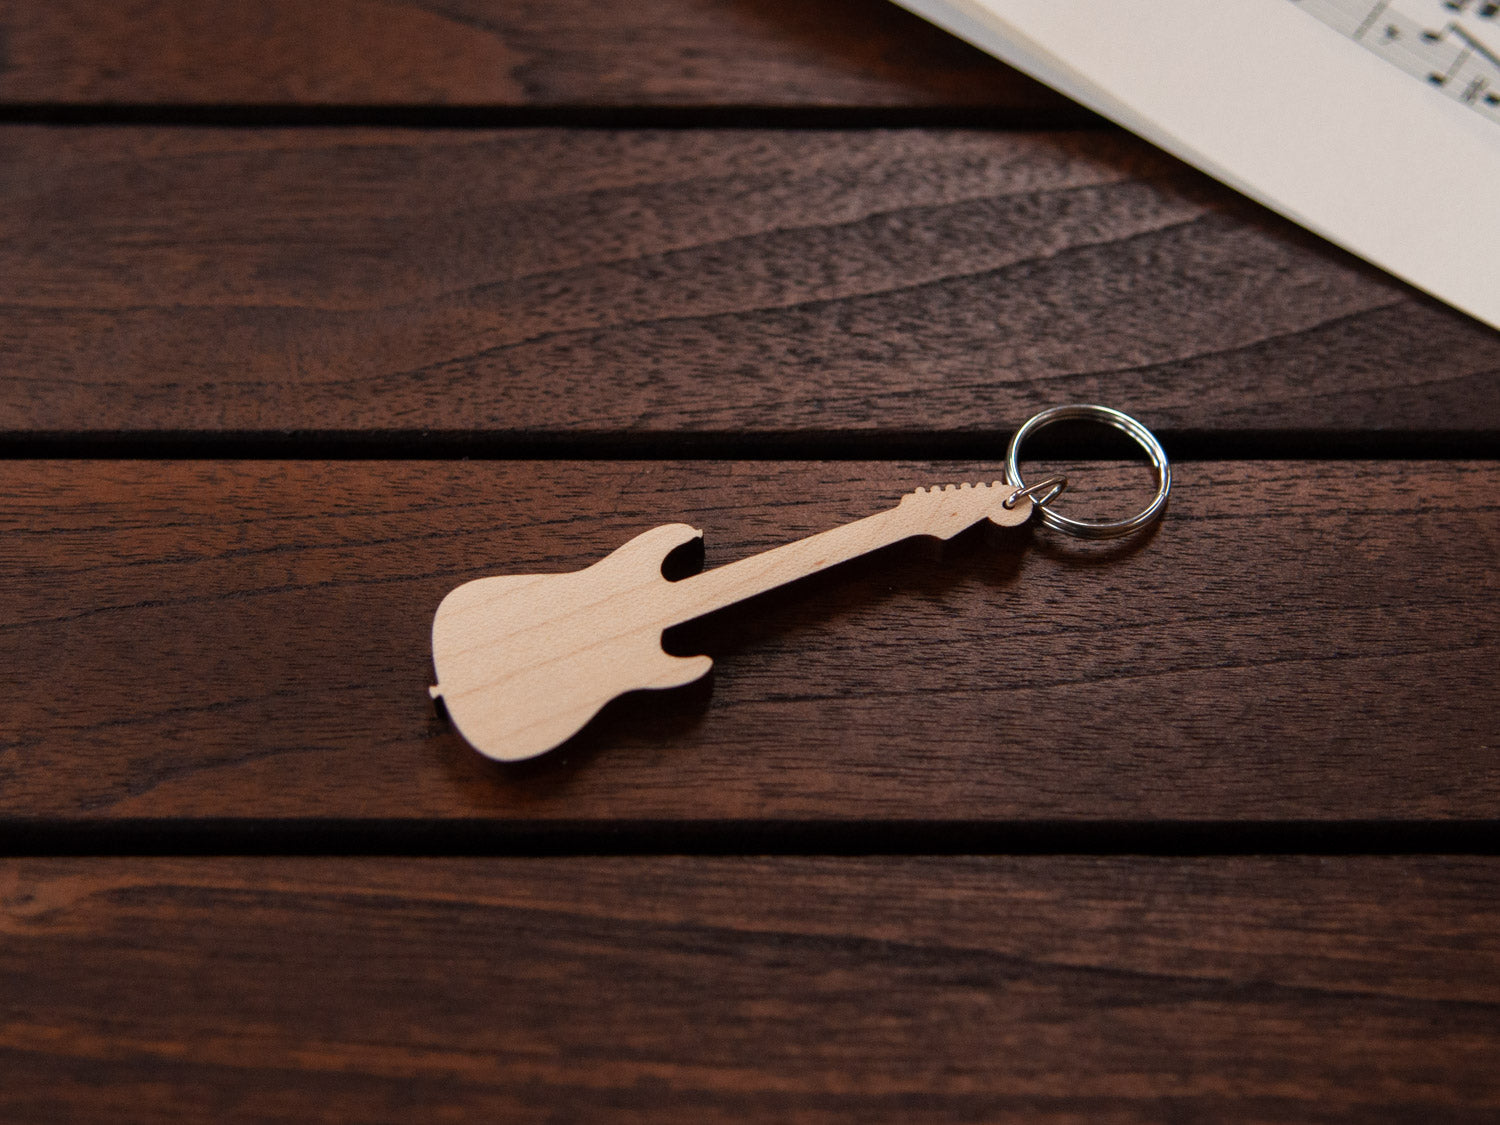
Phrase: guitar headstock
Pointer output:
(947, 509)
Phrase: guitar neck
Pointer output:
(941, 513)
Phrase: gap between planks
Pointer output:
(446, 838)
(747, 116)
(1087, 443)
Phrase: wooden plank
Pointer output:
(671, 989)
(243, 640)
(491, 53)
(559, 284)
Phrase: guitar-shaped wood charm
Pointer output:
(524, 661)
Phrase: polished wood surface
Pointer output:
(310, 313)
(252, 639)
(684, 54)
(554, 285)
(1051, 989)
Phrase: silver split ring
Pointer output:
(1094, 529)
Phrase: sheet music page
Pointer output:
(1375, 124)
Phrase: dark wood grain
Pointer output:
(835, 53)
(219, 655)
(569, 283)
(1045, 989)
(1300, 640)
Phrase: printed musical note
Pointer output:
(1452, 45)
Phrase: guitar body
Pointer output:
(524, 661)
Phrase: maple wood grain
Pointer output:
(252, 639)
(562, 284)
(673, 989)
(835, 53)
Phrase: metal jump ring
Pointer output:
(1095, 529)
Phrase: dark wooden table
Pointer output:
(309, 312)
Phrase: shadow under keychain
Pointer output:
(524, 661)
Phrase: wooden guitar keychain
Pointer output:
(524, 661)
